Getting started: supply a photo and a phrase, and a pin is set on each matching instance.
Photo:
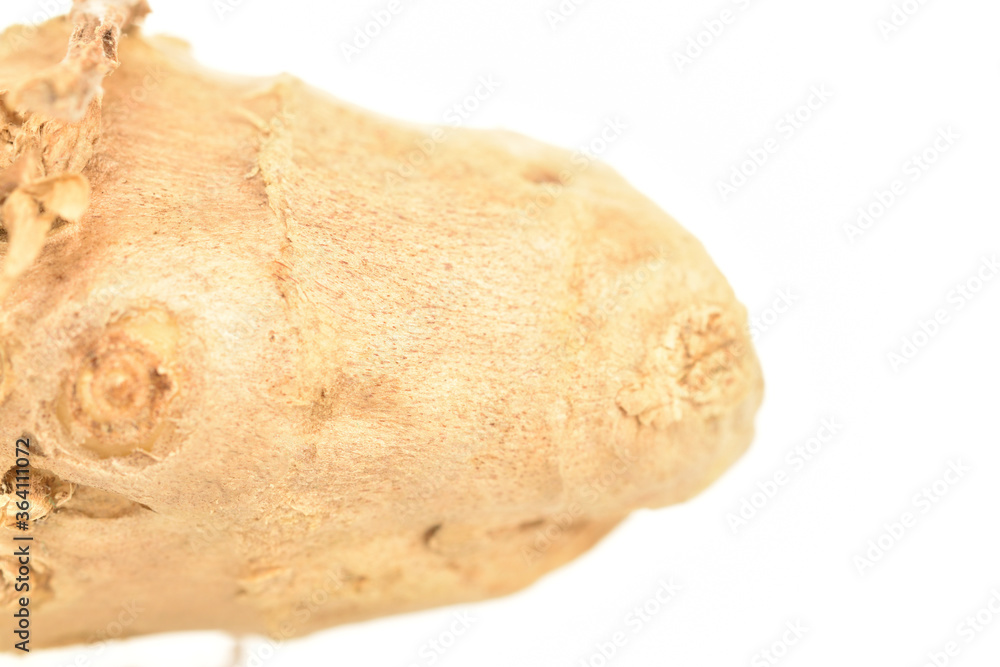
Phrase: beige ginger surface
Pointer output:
(273, 382)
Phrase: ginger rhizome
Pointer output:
(260, 368)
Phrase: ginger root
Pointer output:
(273, 382)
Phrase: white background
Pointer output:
(782, 232)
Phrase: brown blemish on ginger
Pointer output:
(430, 533)
(541, 175)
